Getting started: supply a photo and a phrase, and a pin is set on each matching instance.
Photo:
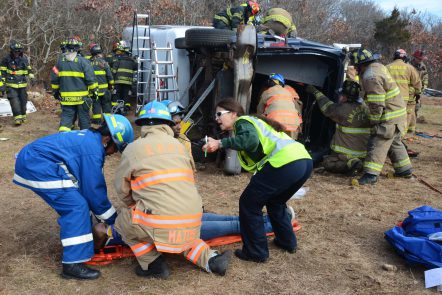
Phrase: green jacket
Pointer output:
(274, 147)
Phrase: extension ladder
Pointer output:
(165, 80)
(141, 42)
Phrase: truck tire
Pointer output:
(208, 37)
(180, 43)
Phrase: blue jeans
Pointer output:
(212, 226)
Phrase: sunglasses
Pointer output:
(219, 114)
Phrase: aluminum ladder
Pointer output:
(141, 43)
(166, 85)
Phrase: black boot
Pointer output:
(404, 174)
(157, 269)
(79, 271)
(241, 255)
(277, 244)
(368, 178)
(219, 263)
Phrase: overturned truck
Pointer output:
(212, 64)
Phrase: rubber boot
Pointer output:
(368, 178)
(218, 264)
(157, 269)
(79, 271)
(99, 232)
(404, 174)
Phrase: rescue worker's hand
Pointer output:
(212, 145)
(57, 95)
(418, 98)
(94, 95)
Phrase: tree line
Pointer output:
(41, 25)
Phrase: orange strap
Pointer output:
(162, 176)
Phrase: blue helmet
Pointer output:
(175, 107)
(277, 77)
(154, 110)
(120, 129)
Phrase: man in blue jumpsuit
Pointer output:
(66, 170)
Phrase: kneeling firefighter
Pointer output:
(155, 180)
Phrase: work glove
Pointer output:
(57, 95)
(417, 97)
(312, 90)
(94, 95)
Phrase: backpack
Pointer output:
(411, 238)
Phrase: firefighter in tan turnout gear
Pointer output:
(349, 143)
(155, 179)
(408, 81)
(281, 104)
(418, 63)
(387, 115)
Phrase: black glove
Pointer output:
(418, 97)
(57, 95)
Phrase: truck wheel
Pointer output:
(180, 43)
(208, 37)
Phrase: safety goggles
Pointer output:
(219, 114)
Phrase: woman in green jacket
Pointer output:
(280, 166)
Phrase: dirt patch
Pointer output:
(341, 245)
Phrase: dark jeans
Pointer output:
(270, 187)
(18, 99)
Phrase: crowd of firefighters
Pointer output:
(155, 177)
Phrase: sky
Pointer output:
(431, 6)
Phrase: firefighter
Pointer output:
(231, 17)
(280, 166)
(281, 104)
(409, 83)
(349, 143)
(278, 21)
(418, 62)
(73, 80)
(2, 85)
(387, 115)
(16, 72)
(111, 57)
(105, 82)
(176, 110)
(66, 171)
(163, 214)
(123, 70)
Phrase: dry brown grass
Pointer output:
(341, 243)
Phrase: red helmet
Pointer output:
(254, 7)
(400, 53)
(419, 55)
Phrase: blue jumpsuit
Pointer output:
(66, 170)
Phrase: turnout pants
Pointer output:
(75, 223)
(121, 93)
(18, 99)
(386, 142)
(270, 187)
(338, 163)
(101, 106)
(140, 240)
(411, 118)
(69, 113)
